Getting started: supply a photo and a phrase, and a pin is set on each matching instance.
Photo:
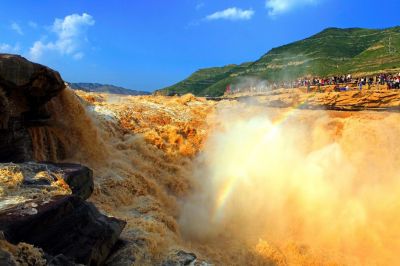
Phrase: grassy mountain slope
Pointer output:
(331, 52)
(96, 87)
(200, 82)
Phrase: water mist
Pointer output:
(325, 181)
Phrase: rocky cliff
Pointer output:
(44, 216)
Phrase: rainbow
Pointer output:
(281, 119)
(227, 189)
(223, 196)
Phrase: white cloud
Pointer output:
(38, 48)
(232, 13)
(277, 7)
(78, 56)
(200, 5)
(71, 34)
(15, 27)
(32, 24)
(7, 48)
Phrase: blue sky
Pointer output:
(150, 44)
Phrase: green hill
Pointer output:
(333, 51)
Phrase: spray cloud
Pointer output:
(323, 180)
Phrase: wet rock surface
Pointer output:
(63, 225)
(24, 182)
(78, 177)
(44, 205)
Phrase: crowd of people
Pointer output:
(391, 80)
(340, 83)
(320, 81)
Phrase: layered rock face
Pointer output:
(354, 100)
(44, 218)
(44, 205)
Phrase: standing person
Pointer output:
(369, 83)
(228, 89)
(308, 86)
(360, 85)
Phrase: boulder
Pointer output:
(180, 258)
(25, 88)
(35, 82)
(63, 225)
(78, 177)
(23, 182)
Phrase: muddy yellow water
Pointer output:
(237, 184)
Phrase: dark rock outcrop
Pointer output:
(35, 82)
(44, 180)
(180, 258)
(4, 110)
(78, 177)
(6, 258)
(64, 225)
(124, 253)
(15, 142)
(25, 88)
(43, 224)
(37, 208)
(60, 260)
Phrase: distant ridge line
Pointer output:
(105, 88)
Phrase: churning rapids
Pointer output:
(235, 183)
